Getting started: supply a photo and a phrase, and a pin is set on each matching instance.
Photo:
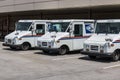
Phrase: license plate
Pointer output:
(94, 47)
(44, 43)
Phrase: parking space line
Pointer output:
(57, 59)
(114, 66)
(22, 53)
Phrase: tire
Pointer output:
(25, 46)
(116, 56)
(92, 57)
(63, 50)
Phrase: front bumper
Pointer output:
(10, 45)
(97, 54)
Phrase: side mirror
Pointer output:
(71, 31)
(32, 31)
(36, 31)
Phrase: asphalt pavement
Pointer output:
(36, 65)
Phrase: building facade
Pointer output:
(13, 10)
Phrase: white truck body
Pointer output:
(70, 35)
(106, 40)
(27, 32)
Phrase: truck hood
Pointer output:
(17, 34)
(53, 36)
(103, 37)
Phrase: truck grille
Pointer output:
(44, 43)
(93, 47)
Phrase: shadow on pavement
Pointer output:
(18, 49)
(11, 49)
(56, 53)
(98, 59)
(48, 54)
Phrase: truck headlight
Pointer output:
(102, 49)
(38, 43)
(14, 40)
(86, 47)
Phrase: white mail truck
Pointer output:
(66, 35)
(26, 34)
(106, 40)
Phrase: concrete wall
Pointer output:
(14, 10)
(26, 5)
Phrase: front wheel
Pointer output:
(63, 50)
(116, 56)
(25, 46)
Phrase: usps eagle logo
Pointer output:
(89, 28)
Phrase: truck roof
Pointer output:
(33, 20)
(72, 20)
(61, 20)
(108, 20)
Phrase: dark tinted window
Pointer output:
(111, 28)
(78, 29)
(59, 27)
(40, 28)
(23, 26)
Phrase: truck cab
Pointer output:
(105, 42)
(26, 34)
(66, 35)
